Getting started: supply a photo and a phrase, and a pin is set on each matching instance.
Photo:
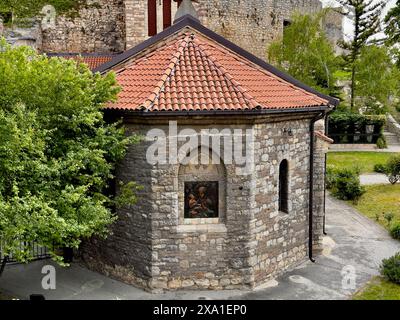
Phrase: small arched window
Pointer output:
(284, 186)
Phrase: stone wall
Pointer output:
(333, 23)
(116, 25)
(280, 239)
(99, 27)
(154, 247)
(251, 24)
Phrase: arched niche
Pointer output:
(202, 189)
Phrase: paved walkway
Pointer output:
(353, 241)
(373, 178)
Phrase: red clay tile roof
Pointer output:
(190, 72)
(92, 60)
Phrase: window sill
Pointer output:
(205, 228)
(283, 215)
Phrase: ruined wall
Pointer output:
(116, 25)
(333, 23)
(251, 24)
(99, 27)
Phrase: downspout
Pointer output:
(311, 187)
(326, 161)
(323, 223)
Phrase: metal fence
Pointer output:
(36, 251)
(354, 138)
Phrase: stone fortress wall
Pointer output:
(111, 26)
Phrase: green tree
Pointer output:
(392, 21)
(21, 9)
(57, 154)
(306, 53)
(377, 79)
(366, 17)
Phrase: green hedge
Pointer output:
(347, 127)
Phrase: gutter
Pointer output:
(253, 112)
(311, 186)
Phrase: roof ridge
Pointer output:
(238, 87)
(167, 74)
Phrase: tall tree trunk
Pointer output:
(353, 87)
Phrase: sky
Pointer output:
(347, 24)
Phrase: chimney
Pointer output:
(186, 8)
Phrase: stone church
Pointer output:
(216, 223)
(195, 69)
(113, 26)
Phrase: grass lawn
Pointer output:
(380, 199)
(379, 289)
(365, 161)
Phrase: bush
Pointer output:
(380, 168)
(330, 177)
(345, 184)
(381, 143)
(390, 268)
(395, 230)
(393, 166)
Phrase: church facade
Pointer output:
(247, 202)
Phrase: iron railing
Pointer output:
(354, 138)
(37, 252)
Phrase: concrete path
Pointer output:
(354, 245)
(373, 178)
(367, 148)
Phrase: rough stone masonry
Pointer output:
(109, 26)
(251, 241)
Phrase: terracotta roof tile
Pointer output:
(92, 60)
(191, 72)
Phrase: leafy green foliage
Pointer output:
(31, 8)
(306, 54)
(344, 184)
(392, 21)
(344, 125)
(393, 166)
(381, 143)
(57, 154)
(380, 168)
(365, 15)
(390, 268)
(395, 230)
(377, 79)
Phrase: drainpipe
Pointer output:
(311, 186)
(323, 223)
(326, 161)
